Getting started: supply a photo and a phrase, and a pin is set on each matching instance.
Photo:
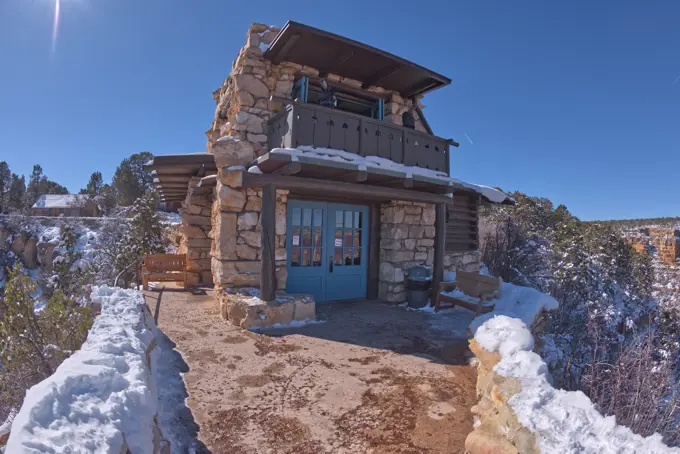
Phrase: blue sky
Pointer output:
(574, 101)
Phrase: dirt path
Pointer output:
(373, 378)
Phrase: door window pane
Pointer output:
(338, 218)
(348, 256)
(357, 219)
(318, 217)
(316, 261)
(348, 238)
(297, 213)
(295, 257)
(337, 256)
(307, 217)
(306, 237)
(357, 256)
(317, 237)
(348, 219)
(306, 257)
(357, 238)
(296, 237)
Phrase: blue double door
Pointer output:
(327, 245)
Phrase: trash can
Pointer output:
(418, 285)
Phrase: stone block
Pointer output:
(247, 221)
(252, 122)
(231, 199)
(399, 256)
(251, 238)
(410, 244)
(392, 215)
(243, 251)
(390, 273)
(428, 216)
(250, 84)
(30, 255)
(412, 219)
(486, 442)
(281, 275)
(390, 244)
(232, 178)
(257, 138)
(225, 236)
(243, 98)
(236, 273)
(192, 209)
(304, 308)
(426, 242)
(395, 232)
(199, 243)
(193, 278)
(254, 203)
(428, 232)
(232, 152)
(420, 256)
(413, 210)
(18, 244)
(416, 231)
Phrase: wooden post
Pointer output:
(373, 281)
(268, 219)
(439, 238)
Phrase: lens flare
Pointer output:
(55, 27)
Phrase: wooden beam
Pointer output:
(289, 169)
(370, 192)
(285, 49)
(422, 117)
(373, 278)
(268, 218)
(353, 177)
(439, 242)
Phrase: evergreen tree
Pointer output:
(17, 193)
(5, 183)
(94, 186)
(131, 180)
(146, 234)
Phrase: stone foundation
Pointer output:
(406, 240)
(245, 309)
(196, 238)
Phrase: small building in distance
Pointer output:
(71, 205)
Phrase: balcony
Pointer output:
(309, 124)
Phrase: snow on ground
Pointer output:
(102, 396)
(377, 163)
(293, 324)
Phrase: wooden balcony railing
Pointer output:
(309, 124)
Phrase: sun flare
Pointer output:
(55, 27)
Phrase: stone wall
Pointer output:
(406, 240)
(496, 428)
(196, 237)
(664, 240)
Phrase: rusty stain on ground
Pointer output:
(373, 378)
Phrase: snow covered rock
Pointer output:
(520, 411)
(103, 398)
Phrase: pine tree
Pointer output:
(94, 186)
(131, 180)
(146, 234)
(5, 182)
(17, 193)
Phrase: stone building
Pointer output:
(65, 205)
(322, 176)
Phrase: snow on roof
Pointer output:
(376, 162)
(60, 201)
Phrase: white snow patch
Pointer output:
(103, 395)
(563, 421)
(293, 324)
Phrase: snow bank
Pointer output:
(523, 303)
(103, 398)
(561, 421)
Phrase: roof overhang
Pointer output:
(330, 53)
(172, 173)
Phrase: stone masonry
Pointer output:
(196, 236)
(406, 240)
(238, 135)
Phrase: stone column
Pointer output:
(196, 242)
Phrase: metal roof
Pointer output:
(172, 173)
(330, 53)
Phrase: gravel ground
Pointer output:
(371, 378)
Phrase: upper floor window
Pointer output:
(336, 96)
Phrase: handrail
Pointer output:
(115, 281)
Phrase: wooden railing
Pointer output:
(309, 124)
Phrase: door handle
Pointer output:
(330, 264)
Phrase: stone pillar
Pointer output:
(196, 242)
(236, 214)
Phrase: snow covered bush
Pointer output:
(604, 288)
(146, 234)
(34, 341)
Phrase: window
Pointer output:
(347, 99)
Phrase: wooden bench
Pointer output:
(164, 268)
(485, 288)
